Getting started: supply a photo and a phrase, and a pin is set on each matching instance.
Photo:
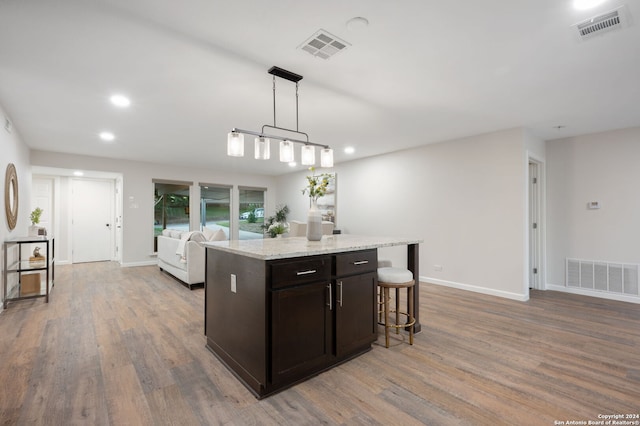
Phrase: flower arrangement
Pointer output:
(277, 224)
(316, 185)
(277, 228)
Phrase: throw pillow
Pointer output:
(197, 236)
(208, 233)
(219, 236)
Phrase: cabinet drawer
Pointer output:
(356, 262)
(294, 272)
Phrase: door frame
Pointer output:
(536, 213)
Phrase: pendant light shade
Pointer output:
(235, 139)
(287, 154)
(235, 144)
(262, 148)
(326, 157)
(308, 155)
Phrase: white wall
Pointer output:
(138, 193)
(600, 167)
(465, 198)
(13, 150)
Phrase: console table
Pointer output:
(26, 270)
(278, 311)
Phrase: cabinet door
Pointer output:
(356, 324)
(301, 330)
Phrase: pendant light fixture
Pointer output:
(235, 139)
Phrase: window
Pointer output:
(251, 219)
(215, 207)
(171, 208)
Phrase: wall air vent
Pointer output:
(323, 45)
(609, 21)
(620, 278)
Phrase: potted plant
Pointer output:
(277, 224)
(35, 220)
(276, 229)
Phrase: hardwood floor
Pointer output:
(118, 346)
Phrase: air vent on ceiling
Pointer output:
(609, 21)
(323, 45)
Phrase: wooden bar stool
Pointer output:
(396, 278)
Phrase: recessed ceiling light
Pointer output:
(107, 136)
(586, 4)
(349, 150)
(120, 101)
(78, 173)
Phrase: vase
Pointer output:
(33, 230)
(314, 223)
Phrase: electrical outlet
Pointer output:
(233, 283)
(437, 267)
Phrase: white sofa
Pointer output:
(182, 253)
(299, 229)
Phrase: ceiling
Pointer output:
(422, 71)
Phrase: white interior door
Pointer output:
(92, 220)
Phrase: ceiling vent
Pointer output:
(609, 21)
(323, 45)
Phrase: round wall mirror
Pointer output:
(11, 195)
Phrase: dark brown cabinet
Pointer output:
(355, 286)
(355, 325)
(277, 322)
(301, 318)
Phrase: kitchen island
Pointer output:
(278, 311)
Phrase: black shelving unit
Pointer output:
(28, 267)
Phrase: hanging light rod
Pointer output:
(235, 139)
(280, 138)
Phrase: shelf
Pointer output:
(35, 279)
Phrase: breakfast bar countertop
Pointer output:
(283, 248)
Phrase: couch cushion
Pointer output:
(219, 236)
(212, 235)
(198, 237)
(176, 234)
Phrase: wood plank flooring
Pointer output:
(125, 346)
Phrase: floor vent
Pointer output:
(618, 278)
(323, 45)
(614, 20)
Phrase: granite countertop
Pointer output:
(283, 248)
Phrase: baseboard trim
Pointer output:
(134, 264)
(477, 289)
(594, 293)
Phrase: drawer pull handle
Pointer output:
(340, 287)
(360, 262)
(330, 301)
(310, 271)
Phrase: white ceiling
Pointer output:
(423, 71)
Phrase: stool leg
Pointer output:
(386, 316)
(410, 318)
(397, 309)
(380, 303)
